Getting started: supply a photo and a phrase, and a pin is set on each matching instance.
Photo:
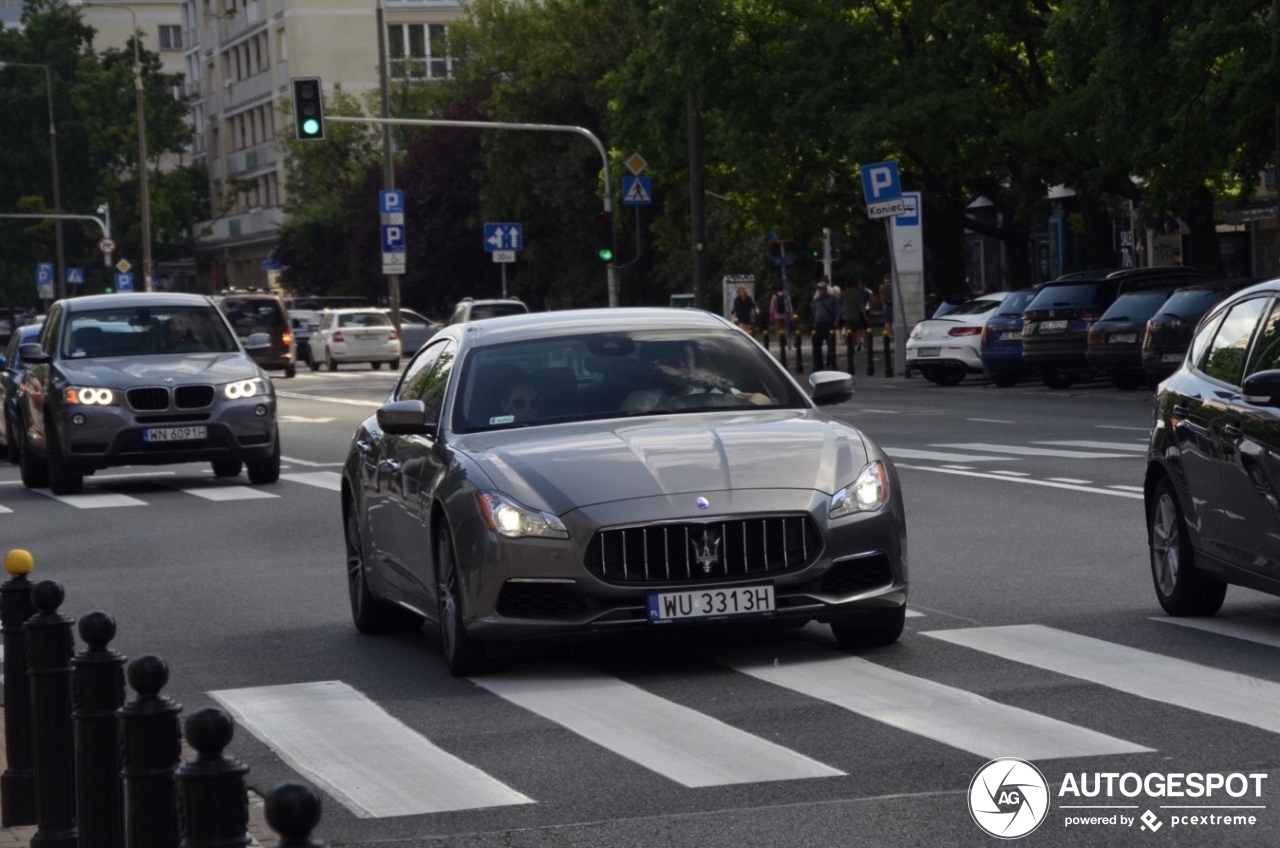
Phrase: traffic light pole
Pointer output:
(612, 276)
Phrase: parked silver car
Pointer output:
(604, 470)
(143, 379)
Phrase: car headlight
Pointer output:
(241, 389)
(513, 520)
(866, 494)
(88, 396)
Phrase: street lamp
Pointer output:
(53, 154)
(148, 284)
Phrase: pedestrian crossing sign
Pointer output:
(75, 276)
(637, 191)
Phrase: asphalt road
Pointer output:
(1034, 633)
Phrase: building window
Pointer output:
(419, 51)
(170, 37)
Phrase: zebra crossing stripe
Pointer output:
(368, 760)
(679, 743)
(1225, 694)
(944, 713)
(331, 480)
(1265, 630)
(93, 500)
(212, 491)
(1140, 447)
(1020, 450)
(939, 456)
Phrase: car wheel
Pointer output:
(375, 365)
(1005, 381)
(869, 630)
(1180, 589)
(63, 478)
(313, 364)
(463, 655)
(35, 474)
(369, 613)
(395, 365)
(1126, 382)
(264, 471)
(290, 370)
(328, 361)
(943, 376)
(227, 467)
(11, 440)
(1055, 379)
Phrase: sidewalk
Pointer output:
(262, 835)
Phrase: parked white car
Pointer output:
(945, 349)
(354, 335)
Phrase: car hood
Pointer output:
(559, 467)
(182, 368)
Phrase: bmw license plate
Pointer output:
(1050, 326)
(1122, 338)
(174, 434)
(710, 604)
(928, 351)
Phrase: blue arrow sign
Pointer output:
(503, 237)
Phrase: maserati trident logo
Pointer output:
(707, 551)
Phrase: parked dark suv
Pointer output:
(1055, 328)
(1115, 339)
(1169, 331)
(259, 311)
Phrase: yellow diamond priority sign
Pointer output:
(123, 266)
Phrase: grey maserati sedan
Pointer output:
(590, 471)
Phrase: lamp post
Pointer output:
(53, 155)
(148, 284)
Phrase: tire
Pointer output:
(227, 467)
(312, 364)
(1126, 382)
(11, 440)
(35, 473)
(266, 471)
(290, 371)
(1181, 590)
(328, 361)
(1055, 379)
(369, 613)
(394, 365)
(942, 376)
(375, 365)
(869, 630)
(63, 477)
(462, 655)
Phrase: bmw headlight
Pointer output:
(88, 396)
(508, 518)
(866, 494)
(241, 389)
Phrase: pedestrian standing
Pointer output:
(744, 310)
(886, 303)
(780, 311)
(826, 312)
(853, 305)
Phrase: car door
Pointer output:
(1251, 463)
(38, 382)
(1213, 420)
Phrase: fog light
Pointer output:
(260, 411)
(77, 419)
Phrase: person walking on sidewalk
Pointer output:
(744, 310)
(780, 311)
(826, 314)
(853, 303)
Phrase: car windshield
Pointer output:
(1190, 304)
(129, 330)
(1071, 294)
(1016, 302)
(1135, 306)
(608, 375)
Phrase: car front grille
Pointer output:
(691, 552)
(156, 398)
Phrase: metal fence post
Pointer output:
(151, 748)
(97, 685)
(293, 811)
(18, 783)
(212, 800)
(49, 651)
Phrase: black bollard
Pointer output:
(799, 352)
(782, 347)
(848, 352)
(49, 650)
(888, 355)
(871, 355)
(764, 338)
(97, 686)
(151, 748)
(18, 783)
(293, 811)
(212, 799)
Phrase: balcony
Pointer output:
(260, 157)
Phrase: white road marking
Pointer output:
(909, 453)
(298, 419)
(1022, 450)
(1012, 473)
(1265, 630)
(93, 500)
(4, 510)
(360, 754)
(217, 491)
(349, 401)
(946, 714)
(1027, 480)
(1071, 480)
(1226, 694)
(1119, 427)
(990, 420)
(1128, 488)
(959, 467)
(678, 743)
(293, 460)
(1124, 446)
(910, 613)
(331, 480)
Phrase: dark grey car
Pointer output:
(607, 470)
(143, 379)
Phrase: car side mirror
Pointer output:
(406, 418)
(830, 387)
(33, 353)
(257, 341)
(1262, 388)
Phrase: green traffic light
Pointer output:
(311, 126)
(605, 254)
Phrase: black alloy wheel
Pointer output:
(368, 613)
(870, 629)
(463, 655)
(265, 471)
(1181, 590)
(328, 360)
(64, 479)
(227, 467)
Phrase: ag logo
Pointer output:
(1008, 798)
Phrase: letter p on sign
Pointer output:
(880, 182)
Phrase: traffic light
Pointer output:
(308, 109)
(604, 236)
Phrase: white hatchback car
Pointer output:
(354, 335)
(945, 349)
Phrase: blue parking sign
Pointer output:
(882, 189)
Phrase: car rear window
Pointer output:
(1135, 306)
(975, 307)
(253, 313)
(364, 319)
(1191, 304)
(1016, 302)
(496, 310)
(1071, 294)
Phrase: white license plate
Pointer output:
(710, 604)
(1052, 325)
(1122, 338)
(174, 434)
(928, 351)
(1171, 357)
(1011, 336)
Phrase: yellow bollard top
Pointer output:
(18, 562)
